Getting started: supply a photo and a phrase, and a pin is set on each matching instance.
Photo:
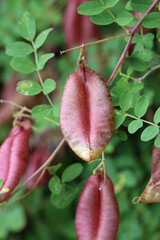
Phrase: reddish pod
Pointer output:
(78, 28)
(14, 154)
(151, 194)
(97, 214)
(86, 113)
(36, 160)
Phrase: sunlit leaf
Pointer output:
(149, 133)
(28, 87)
(141, 106)
(135, 125)
(91, 8)
(72, 172)
(27, 26)
(22, 65)
(40, 39)
(18, 49)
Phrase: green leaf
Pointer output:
(158, 36)
(56, 109)
(122, 135)
(111, 3)
(72, 172)
(52, 170)
(147, 55)
(128, 6)
(27, 26)
(141, 5)
(55, 185)
(137, 63)
(136, 39)
(134, 126)
(125, 100)
(141, 106)
(41, 38)
(118, 119)
(49, 86)
(103, 18)
(123, 84)
(156, 117)
(63, 199)
(124, 17)
(90, 8)
(1, 182)
(18, 49)
(43, 59)
(157, 141)
(41, 111)
(133, 23)
(137, 86)
(152, 20)
(148, 37)
(28, 87)
(149, 133)
(22, 65)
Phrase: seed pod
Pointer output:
(97, 214)
(36, 160)
(14, 154)
(86, 113)
(78, 28)
(151, 194)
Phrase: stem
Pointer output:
(134, 117)
(38, 73)
(104, 167)
(96, 170)
(95, 42)
(26, 194)
(125, 75)
(132, 32)
(140, 79)
(41, 168)
(69, 187)
(52, 121)
(112, 15)
(16, 105)
(147, 73)
(108, 10)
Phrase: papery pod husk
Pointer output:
(14, 153)
(86, 113)
(78, 28)
(151, 194)
(37, 158)
(97, 213)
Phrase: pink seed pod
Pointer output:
(36, 160)
(86, 113)
(151, 194)
(14, 154)
(97, 214)
(78, 28)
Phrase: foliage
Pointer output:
(135, 94)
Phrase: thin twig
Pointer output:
(132, 32)
(140, 79)
(16, 105)
(41, 168)
(95, 42)
(26, 194)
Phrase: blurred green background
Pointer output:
(127, 163)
